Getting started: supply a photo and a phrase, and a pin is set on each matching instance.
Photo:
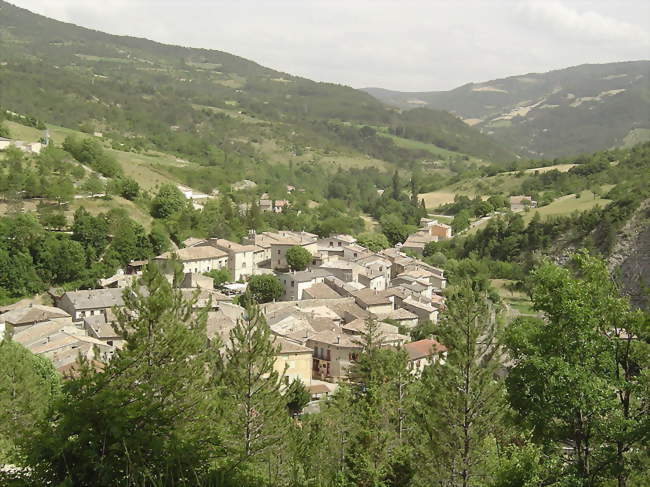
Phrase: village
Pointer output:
(316, 322)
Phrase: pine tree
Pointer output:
(380, 378)
(253, 407)
(459, 401)
(145, 416)
(28, 386)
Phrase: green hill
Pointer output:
(559, 113)
(206, 105)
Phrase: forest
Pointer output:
(558, 401)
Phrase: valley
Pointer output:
(214, 273)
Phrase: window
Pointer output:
(243, 265)
(278, 251)
(331, 244)
(292, 283)
(355, 254)
(339, 244)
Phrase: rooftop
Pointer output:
(202, 252)
(32, 313)
(305, 276)
(321, 291)
(95, 298)
(288, 346)
(423, 348)
(227, 245)
(371, 297)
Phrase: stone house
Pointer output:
(373, 301)
(241, 258)
(521, 202)
(424, 352)
(80, 304)
(295, 283)
(198, 259)
(25, 317)
(293, 361)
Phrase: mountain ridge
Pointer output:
(590, 107)
(67, 74)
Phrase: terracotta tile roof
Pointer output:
(35, 313)
(290, 346)
(95, 298)
(195, 253)
(321, 291)
(423, 348)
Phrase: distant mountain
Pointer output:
(194, 102)
(565, 112)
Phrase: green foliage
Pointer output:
(297, 397)
(264, 288)
(168, 200)
(219, 276)
(459, 403)
(93, 185)
(377, 453)
(298, 258)
(143, 415)
(395, 230)
(28, 386)
(89, 151)
(128, 188)
(252, 407)
(4, 131)
(461, 221)
(424, 329)
(579, 375)
(373, 241)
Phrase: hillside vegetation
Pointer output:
(559, 113)
(208, 106)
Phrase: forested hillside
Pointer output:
(193, 102)
(559, 113)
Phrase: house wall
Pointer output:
(279, 254)
(294, 292)
(378, 283)
(241, 264)
(298, 366)
(351, 254)
(196, 266)
(422, 314)
(339, 360)
(380, 308)
(443, 233)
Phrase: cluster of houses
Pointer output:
(28, 147)
(430, 231)
(316, 323)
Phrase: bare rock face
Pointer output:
(629, 262)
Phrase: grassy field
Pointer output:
(437, 198)
(417, 145)
(517, 301)
(99, 205)
(567, 205)
(147, 169)
(20, 132)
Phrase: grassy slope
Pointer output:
(69, 75)
(566, 205)
(517, 301)
(147, 169)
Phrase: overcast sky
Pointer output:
(409, 45)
